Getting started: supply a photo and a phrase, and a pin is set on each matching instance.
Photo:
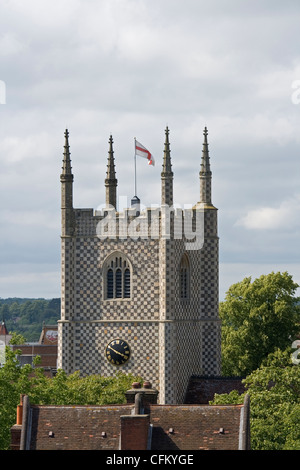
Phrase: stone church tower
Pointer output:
(140, 289)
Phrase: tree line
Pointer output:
(26, 316)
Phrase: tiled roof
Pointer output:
(126, 427)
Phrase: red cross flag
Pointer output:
(141, 151)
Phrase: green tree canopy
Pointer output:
(62, 389)
(274, 390)
(17, 338)
(257, 318)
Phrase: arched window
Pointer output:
(110, 284)
(127, 283)
(117, 277)
(184, 273)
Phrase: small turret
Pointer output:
(167, 174)
(66, 169)
(205, 173)
(66, 179)
(111, 181)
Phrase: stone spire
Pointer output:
(111, 181)
(167, 174)
(66, 179)
(205, 173)
(66, 169)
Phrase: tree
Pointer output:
(62, 389)
(257, 318)
(17, 338)
(14, 380)
(274, 390)
(26, 316)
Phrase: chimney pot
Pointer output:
(136, 385)
(20, 411)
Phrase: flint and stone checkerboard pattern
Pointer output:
(170, 338)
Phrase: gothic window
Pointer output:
(110, 284)
(184, 277)
(127, 283)
(117, 277)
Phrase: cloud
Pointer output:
(284, 217)
(29, 280)
(129, 68)
(232, 273)
(10, 45)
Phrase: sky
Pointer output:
(129, 68)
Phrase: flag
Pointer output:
(141, 151)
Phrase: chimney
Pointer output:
(20, 411)
(136, 430)
(142, 397)
(15, 431)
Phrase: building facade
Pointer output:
(140, 287)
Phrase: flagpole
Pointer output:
(135, 166)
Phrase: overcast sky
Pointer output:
(130, 68)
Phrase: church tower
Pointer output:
(140, 289)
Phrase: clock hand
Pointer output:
(117, 352)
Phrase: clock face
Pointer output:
(117, 352)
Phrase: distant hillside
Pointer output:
(26, 316)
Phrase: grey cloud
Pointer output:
(102, 68)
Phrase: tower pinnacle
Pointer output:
(205, 173)
(66, 179)
(167, 174)
(66, 168)
(111, 181)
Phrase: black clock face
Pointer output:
(117, 352)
